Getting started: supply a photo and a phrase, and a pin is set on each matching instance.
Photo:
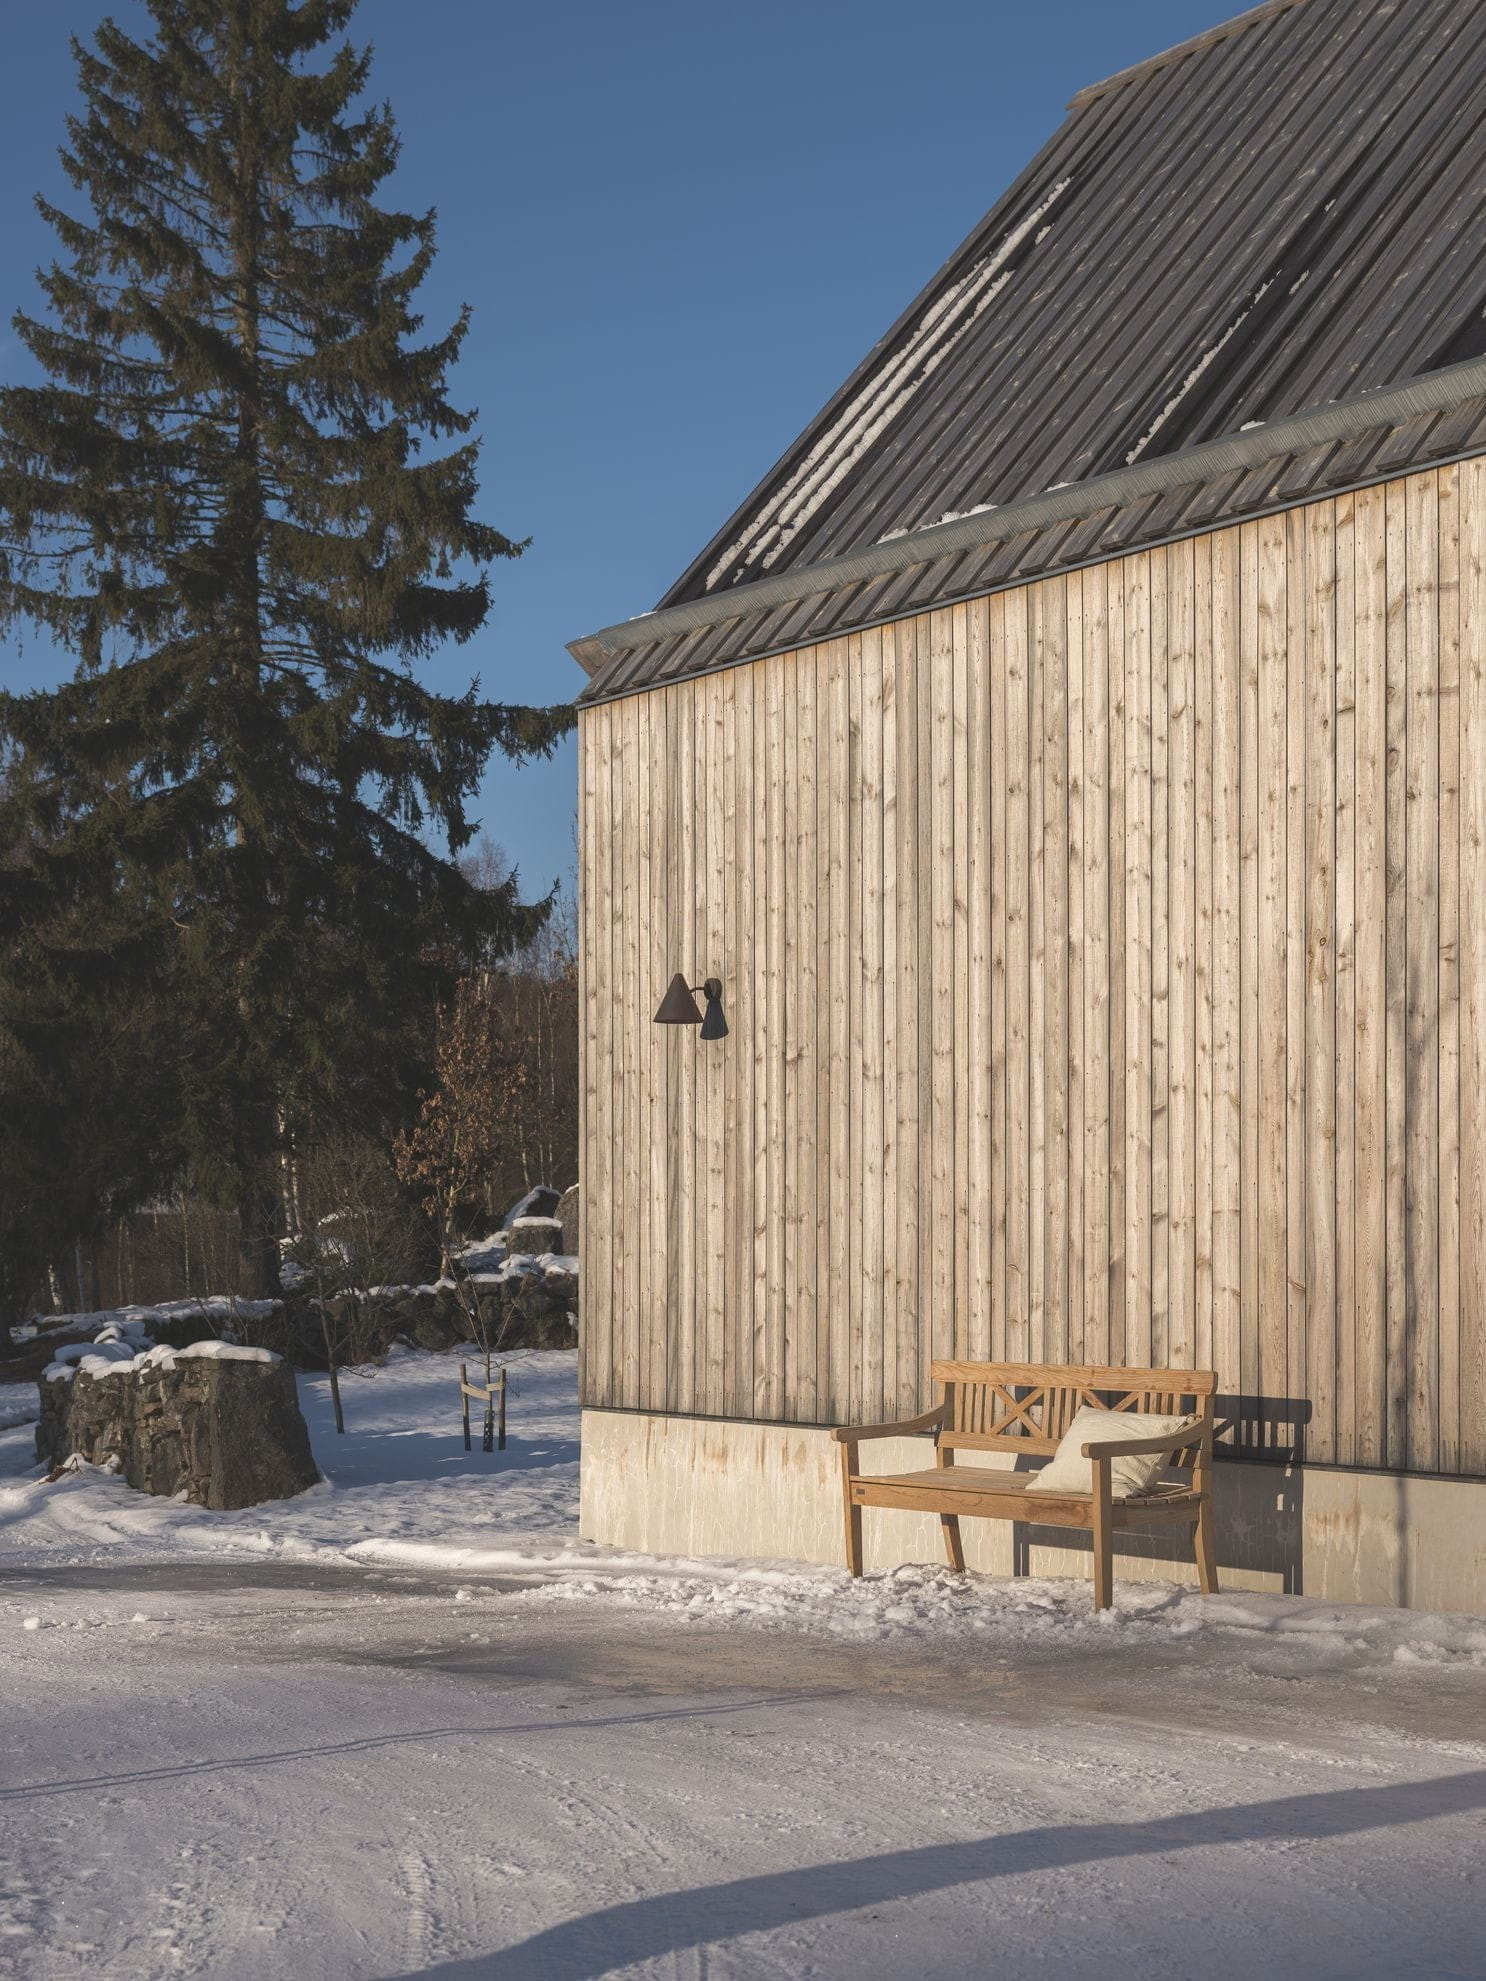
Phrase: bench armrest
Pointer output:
(911, 1427)
(1194, 1434)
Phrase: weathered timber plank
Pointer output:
(962, 875)
(1472, 1354)
(1397, 1082)
(1160, 897)
(1139, 1058)
(1180, 1344)
(1098, 1257)
(1018, 978)
(1226, 968)
(1274, 939)
(1319, 1362)
(1037, 970)
(1370, 1097)
(1348, 1236)
(978, 974)
(1447, 1327)
(1296, 603)
(873, 1307)
(1074, 1326)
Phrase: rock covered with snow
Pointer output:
(214, 1422)
(540, 1201)
(189, 1318)
(567, 1216)
(533, 1237)
(525, 1300)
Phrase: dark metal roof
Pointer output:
(1284, 213)
(1427, 423)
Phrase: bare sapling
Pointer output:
(461, 1131)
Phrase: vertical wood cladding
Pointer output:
(1105, 968)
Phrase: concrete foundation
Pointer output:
(706, 1486)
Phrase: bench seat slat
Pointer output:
(954, 1484)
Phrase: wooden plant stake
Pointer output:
(493, 1396)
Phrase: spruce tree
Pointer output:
(243, 502)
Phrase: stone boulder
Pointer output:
(367, 1324)
(540, 1201)
(567, 1216)
(531, 1237)
(530, 1310)
(220, 1423)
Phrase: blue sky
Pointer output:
(680, 225)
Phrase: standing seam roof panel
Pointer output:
(1058, 323)
(1152, 281)
(1232, 151)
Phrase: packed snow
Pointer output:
(400, 1490)
(409, 1724)
(949, 516)
(400, 1475)
(885, 392)
(215, 1312)
(1212, 352)
(114, 1353)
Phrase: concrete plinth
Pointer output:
(707, 1486)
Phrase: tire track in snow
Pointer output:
(416, 1876)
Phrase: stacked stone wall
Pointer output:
(220, 1424)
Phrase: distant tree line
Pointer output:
(114, 1220)
(237, 495)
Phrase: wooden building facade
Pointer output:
(1097, 883)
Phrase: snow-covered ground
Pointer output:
(408, 1725)
(399, 1478)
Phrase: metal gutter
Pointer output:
(1435, 392)
(1228, 520)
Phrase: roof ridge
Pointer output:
(1224, 31)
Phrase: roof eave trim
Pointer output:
(1435, 392)
(980, 589)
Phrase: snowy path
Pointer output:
(326, 1774)
(407, 1725)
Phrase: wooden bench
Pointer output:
(1024, 1408)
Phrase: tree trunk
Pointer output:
(330, 1362)
(257, 1248)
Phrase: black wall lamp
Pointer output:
(679, 1007)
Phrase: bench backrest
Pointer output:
(1027, 1406)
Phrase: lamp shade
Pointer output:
(714, 1025)
(678, 1006)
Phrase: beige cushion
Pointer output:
(1068, 1471)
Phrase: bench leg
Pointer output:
(1103, 1541)
(1205, 1543)
(853, 1539)
(950, 1522)
(852, 1512)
